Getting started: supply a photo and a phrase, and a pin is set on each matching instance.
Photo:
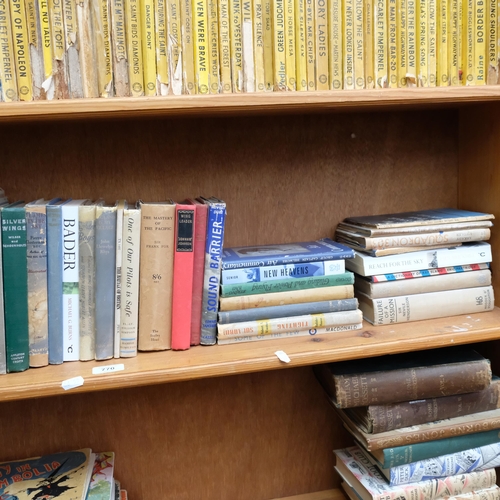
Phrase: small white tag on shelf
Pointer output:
(282, 356)
(71, 383)
(98, 370)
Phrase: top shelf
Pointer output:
(230, 104)
(203, 362)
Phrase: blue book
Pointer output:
(213, 258)
(54, 282)
(286, 253)
(287, 310)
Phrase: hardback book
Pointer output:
(262, 313)
(291, 323)
(3, 353)
(286, 285)
(183, 276)
(87, 274)
(355, 467)
(404, 308)
(216, 220)
(284, 271)
(156, 275)
(427, 284)
(387, 251)
(281, 298)
(200, 237)
(286, 253)
(130, 287)
(15, 286)
(58, 475)
(120, 207)
(405, 377)
(54, 281)
(105, 268)
(377, 418)
(71, 279)
(73, 46)
(102, 483)
(469, 253)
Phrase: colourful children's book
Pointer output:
(102, 484)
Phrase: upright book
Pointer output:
(120, 207)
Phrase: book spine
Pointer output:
(36, 251)
(72, 49)
(268, 45)
(54, 283)
(491, 50)
(35, 47)
(216, 220)
(430, 305)
(183, 277)
(454, 36)
(311, 45)
(118, 278)
(156, 275)
(225, 46)
(7, 68)
(395, 416)
(213, 43)
(381, 45)
(247, 24)
(130, 298)
(432, 40)
(468, 35)
(282, 298)
(87, 48)
(290, 49)
(134, 47)
(70, 283)
(44, 21)
(261, 313)
(279, 47)
(301, 48)
(187, 47)
(348, 46)
(174, 46)
(162, 63)
(480, 38)
(286, 285)
(289, 334)
(119, 49)
(3, 352)
(428, 272)
(392, 42)
(86, 239)
(359, 64)
(15, 288)
(148, 46)
(280, 272)
(236, 40)
(258, 45)
(59, 86)
(336, 43)
(102, 37)
(411, 42)
(200, 38)
(444, 21)
(19, 26)
(321, 44)
(402, 37)
(369, 40)
(105, 255)
(423, 44)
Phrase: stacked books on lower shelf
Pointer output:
(420, 265)
(426, 425)
(296, 289)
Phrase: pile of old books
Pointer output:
(286, 290)
(420, 265)
(426, 425)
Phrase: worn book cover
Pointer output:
(201, 47)
(301, 47)
(101, 23)
(381, 45)
(119, 48)
(359, 42)
(247, 24)
(225, 47)
(134, 48)
(432, 40)
(87, 48)
(392, 42)
(148, 46)
(162, 63)
(321, 45)
(58, 85)
(213, 44)
(348, 45)
(311, 45)
(369, 43)
(279, 45)
(443, 40)
(187, 46)
(102, 484)
(7, 69)
(258, 45)
(19, 26)
(236, 44)
(73, 46)
(35, 47)
(402, 42)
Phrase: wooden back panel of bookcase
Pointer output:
(284, 178)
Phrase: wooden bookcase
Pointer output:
(234, 422)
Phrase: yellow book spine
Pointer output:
(200, 37)
(148, 46)
(268, 45)
(359, 60)
(432, 57)
(35, 46)
(348, 22)
(162, 65)
(43, 11)
(321, 21)
(134, 49)
(187, 47)
(7, 64)
(443, 76)
(453, 37)
(248, 49)
(411, 42)
(423, 44)
(258, 45)
(102, 30)
(369, 42)
(290, 62)
(402, 23)
(468, 42)
(480, 36)
(235, 20)
(392, 42)
(225, 47)
(213, 28)
(310, 45)
(491, 55)
(381, 45)
(335, 43)
(301, 56)
(87, 50)
(460, 42)
(73, 49)
(20, 38)
(279, 45)
(174, 46)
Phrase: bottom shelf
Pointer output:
(335, 494)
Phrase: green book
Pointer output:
(15, 274)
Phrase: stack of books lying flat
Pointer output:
(426, 425)
(286, 290)
(420, 265)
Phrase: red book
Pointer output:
(200, 236)
(183, 276)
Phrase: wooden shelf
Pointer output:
(335, 494)
(201, 362)
(274, 102)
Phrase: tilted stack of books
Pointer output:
(296, 289)
(420, 265)
(425, 424)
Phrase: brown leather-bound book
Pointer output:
(405, 377)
